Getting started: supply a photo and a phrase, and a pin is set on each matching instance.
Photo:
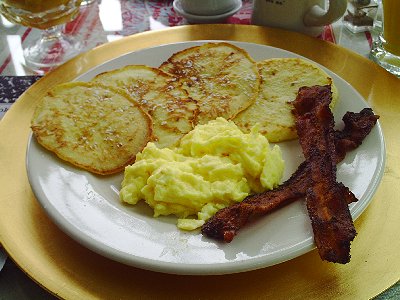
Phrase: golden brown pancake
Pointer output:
(174, 114)
(221, 77)
(94, 127)
(281, 79)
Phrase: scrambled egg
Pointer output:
(214, 166)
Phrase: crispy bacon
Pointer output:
(357, 127)
(225, 224)
(325, 198)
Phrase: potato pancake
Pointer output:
(281, 79)
(94, 127)
(221, 77)
(174, 114)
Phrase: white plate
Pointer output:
(199, 19)
(87, 206)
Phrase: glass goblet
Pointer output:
(386, 49)
(53, 47)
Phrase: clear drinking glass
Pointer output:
(53, 47)
(386, 49)
(360, 15)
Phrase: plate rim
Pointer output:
(219, 268)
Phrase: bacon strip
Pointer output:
(325, 198)
(357, 127)
(225, 224)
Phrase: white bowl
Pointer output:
(198, 19)
(207, 7)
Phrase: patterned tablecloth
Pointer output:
(112, 19)
(108, 20)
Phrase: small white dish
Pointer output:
(207, 7)
(199, 19)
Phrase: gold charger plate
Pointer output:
(71, 271)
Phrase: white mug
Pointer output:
(306, 16)
(207, 7)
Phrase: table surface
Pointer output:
(105, 21)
